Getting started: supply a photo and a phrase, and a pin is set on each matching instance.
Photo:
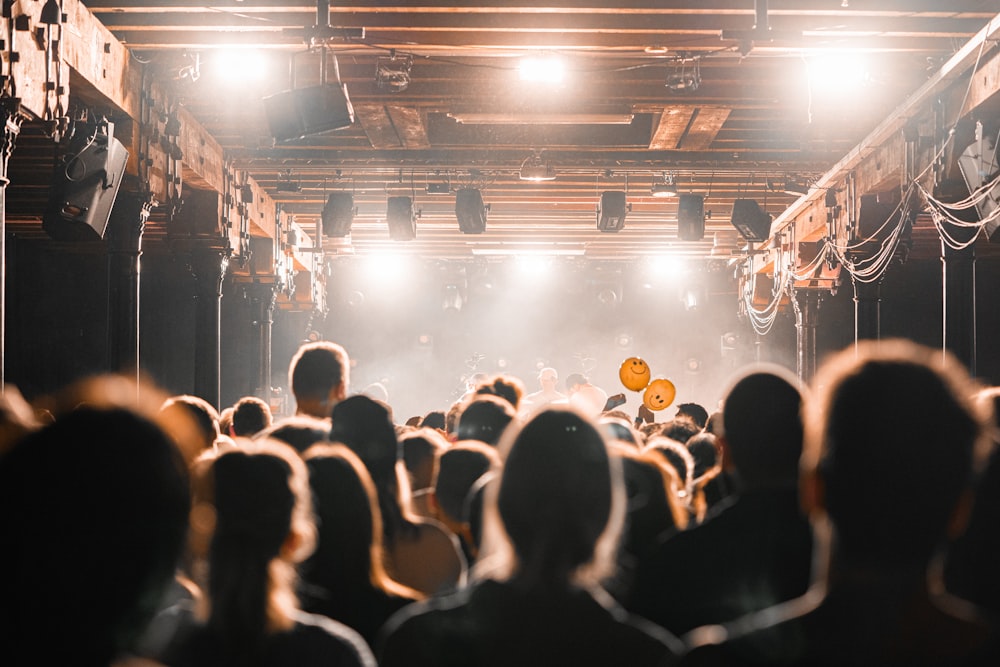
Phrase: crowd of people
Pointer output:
(850, 521)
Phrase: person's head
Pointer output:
(433, 419)
(299, 431)
(548, 380)
(458, 468)
(226, 421)
(574, 380)
(250, 416)
(705, 454)
(349, 551)
(93, 517)
(677, 456)
(694, 412)
(259, 498)
(762, 427)
(365, 427)
(680, 429)
(560, 501)
(653, 503)
(420, 451)
(484, 418)
(196, 411)
(893, 440)
(319, 376)
(506, 387)
(616, 426)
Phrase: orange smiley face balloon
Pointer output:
(634, 373)
(659, 394)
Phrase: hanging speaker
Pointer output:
(470, 211)
(293, 114)
(690, 217)
(611, 211)
(84, 186)
(401, 219)
(338, 214)
(753, 223)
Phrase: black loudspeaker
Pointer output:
(470, 211)
(84, 186)
(753, 223)
(401, 219)
(690, 217)
(293, 114)
(611, 211)
(338, 214)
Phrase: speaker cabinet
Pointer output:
(753, 223)
(401, 218)
(84, 187)
(611, 211)
(293, 114)
(690, 217)
(470, 211)
(338, 214)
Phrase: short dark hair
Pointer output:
(574, 379)
(485, 419)
(317, 368)
(250, 415)
(697, 413)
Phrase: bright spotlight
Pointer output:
(533, 265)
(387, 269)
(832, 74)
(239, 66)
(542, 69)
(664, 268)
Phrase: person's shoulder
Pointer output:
(342, 645)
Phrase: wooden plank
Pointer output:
(704, 127)
(410, 126)
(377, 125)
(670, 129)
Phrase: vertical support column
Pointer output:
(262, 300)
(10, 116)
(958, 287)
(124, 236)
(208, 264)
(867, 310)
(806, 304)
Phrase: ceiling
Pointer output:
(739, 120)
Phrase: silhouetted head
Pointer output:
(458, 469)
(420, 451)
(509, 388)
(560, 498)
(299, 431)
(762, 427)
(251, 415)
(319, 376)
(694, 412)
(93, 516)
(364, 425)
(348, 520)
(200, 412)
(485, 419)
(894, 437)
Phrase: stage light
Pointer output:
(664, 188)
(535, 169)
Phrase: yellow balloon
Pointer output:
(659, 394)
(634, 373)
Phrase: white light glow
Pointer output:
(239, 66)
(663, 268)
(533, 265)
(837, 73)
(387, 269)
(542, 69)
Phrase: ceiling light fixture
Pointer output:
(535, 169)
(393, 73)
(664, 188)
(685, 75)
